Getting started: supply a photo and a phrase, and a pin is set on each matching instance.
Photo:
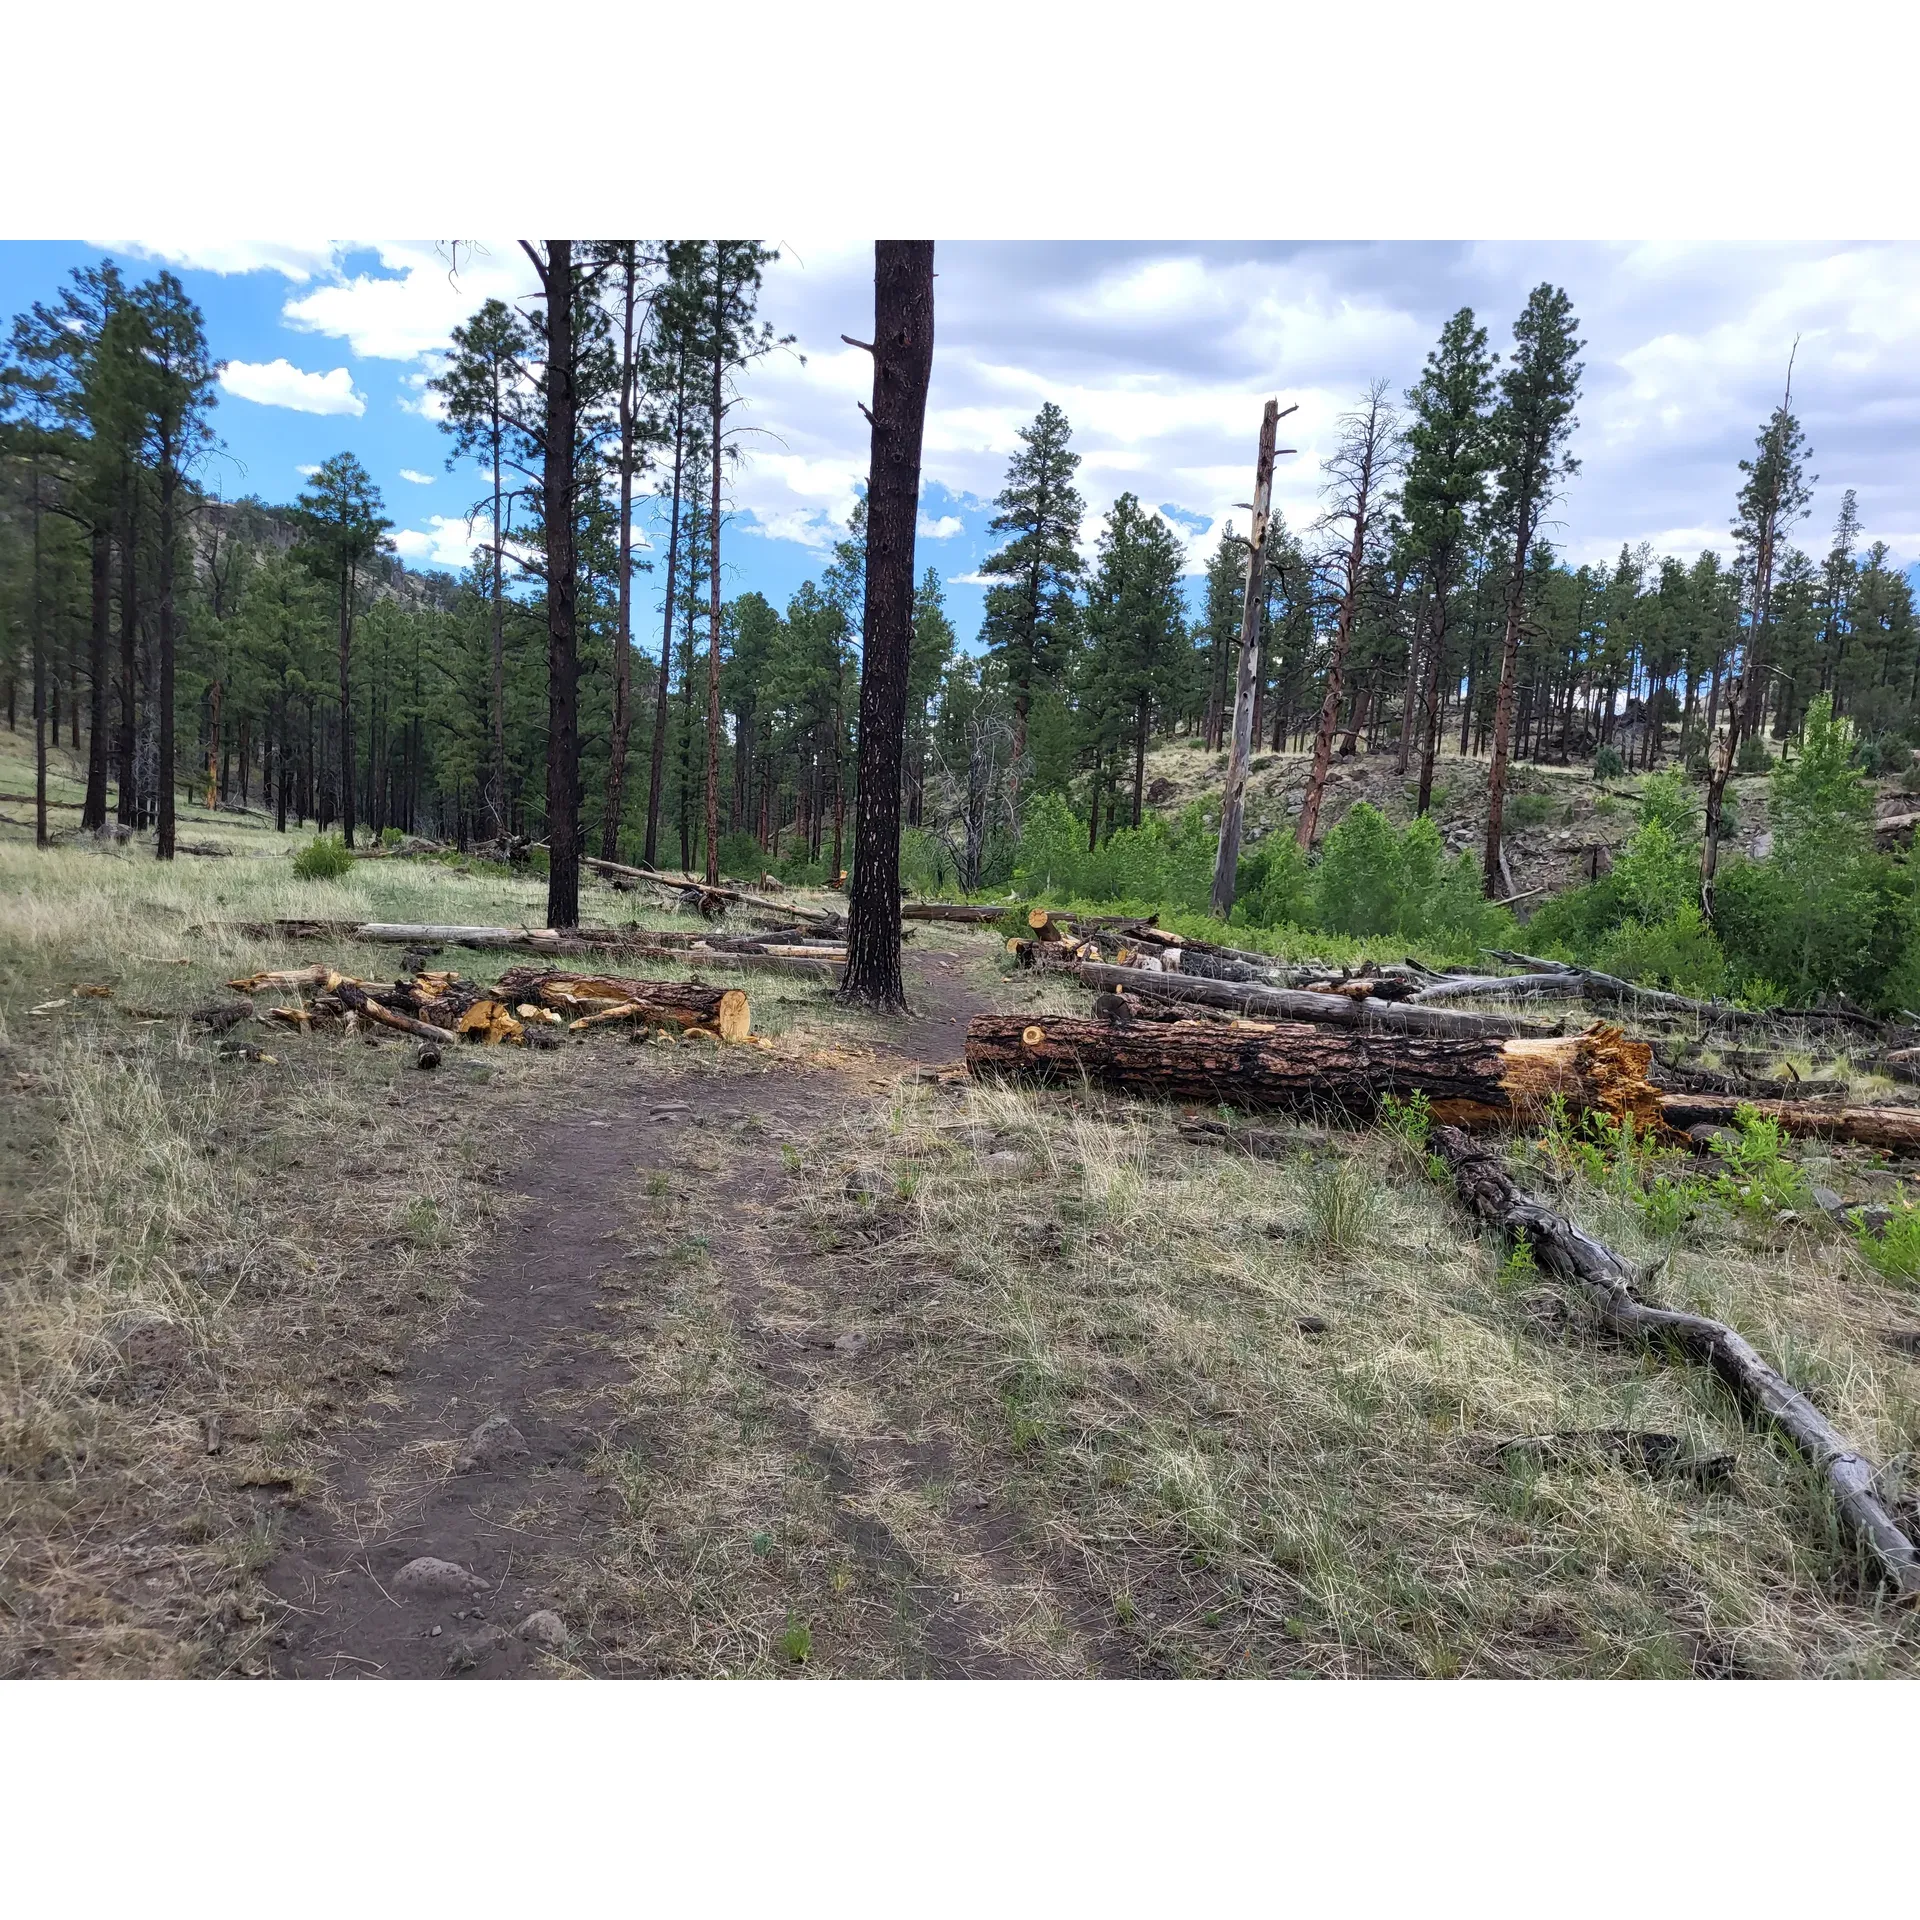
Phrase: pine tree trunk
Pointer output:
(713, 586)
(124, 808)
(902, 368)
(1309, 825)
(163, 791)
(93, 815)
(1503, 706)
(660, 705)
(623, 640)
(557, 505)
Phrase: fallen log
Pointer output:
(685, 1004)
(1324, 1009)
(1469, 1081)
(1556, 979)
(1610, 1287)
(363, 1003)
(399, 935)
(1893, 1129)
(951, 910)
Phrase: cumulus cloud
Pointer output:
(306, 472)
(446, 543)
(279, 383)
(942, 529)
(415, 299)
(418, 479)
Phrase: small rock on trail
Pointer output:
(429, 1579)
(491, 1444)
(544, 1629)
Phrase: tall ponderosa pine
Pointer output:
(1032, 619)
(487, 389)
(1531, 424)
(1777, 492)
(345, 527)
(902, 350)
(1136, 633)
(560, 418)
(179, 393)
(1449, 456)
(732, 340)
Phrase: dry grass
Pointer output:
(1119, 1335)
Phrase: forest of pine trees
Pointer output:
(203, 651)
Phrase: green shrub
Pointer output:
(1274, 886)
(1607, 764)
(1529, 809)
(325, 857)
(1895, 1249)
(392, 837)
(1756, 1176)
(742, 857)
(1679, 952)
(1753, 756)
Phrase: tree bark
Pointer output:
(660, 704)
(163, 848)
(1233, 795)
(563, 710)
(93, 815)
(125, 809)
(902, 369)
(1503, 700)
(1470, 1081)
(1892, 1129)
(1319, 1009)
(1610, 1287)
(718, 403)
(623, 642)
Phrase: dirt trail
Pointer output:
(443, 1545)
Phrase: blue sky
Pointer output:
(1161, 355)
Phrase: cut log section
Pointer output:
(401, 935)
(1609, 1286)
(686, 1004)
(1324, 1009)
(1471, 1082)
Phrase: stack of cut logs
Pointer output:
(438, 1005)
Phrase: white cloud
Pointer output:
(445, 542)
(942, 529)
(279, 383)
(418, 479)
(415, 302)
(297, 260)
(306, 472)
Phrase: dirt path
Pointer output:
(486, 1523)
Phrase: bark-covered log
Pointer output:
(1609, 1286)
(1556, 979)
(951, 910)
(401, 935)
(1470, 1081)
(681, 1003)
(1323, 1009)
(1893, 1129)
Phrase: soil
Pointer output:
(534, 1343)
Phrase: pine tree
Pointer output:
(1450, 454)
(1531, 425)
(487, 390)
(1776, 493)
(1136, 630)
(1031, 620)
(345, 527)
